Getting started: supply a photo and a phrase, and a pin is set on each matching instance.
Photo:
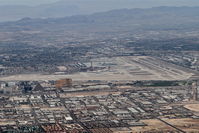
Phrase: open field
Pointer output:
(121, 68)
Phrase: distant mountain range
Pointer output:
(159, 23)
(16, 12)
(152, 23)
(163, 18)
(65, 8)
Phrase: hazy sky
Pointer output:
(26, 2)
(150, 2)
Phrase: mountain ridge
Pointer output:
(161, 18)
(74, 7)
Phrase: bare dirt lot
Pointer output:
(153, 125)
(192, 107)
(121, 68)
(188, 125)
